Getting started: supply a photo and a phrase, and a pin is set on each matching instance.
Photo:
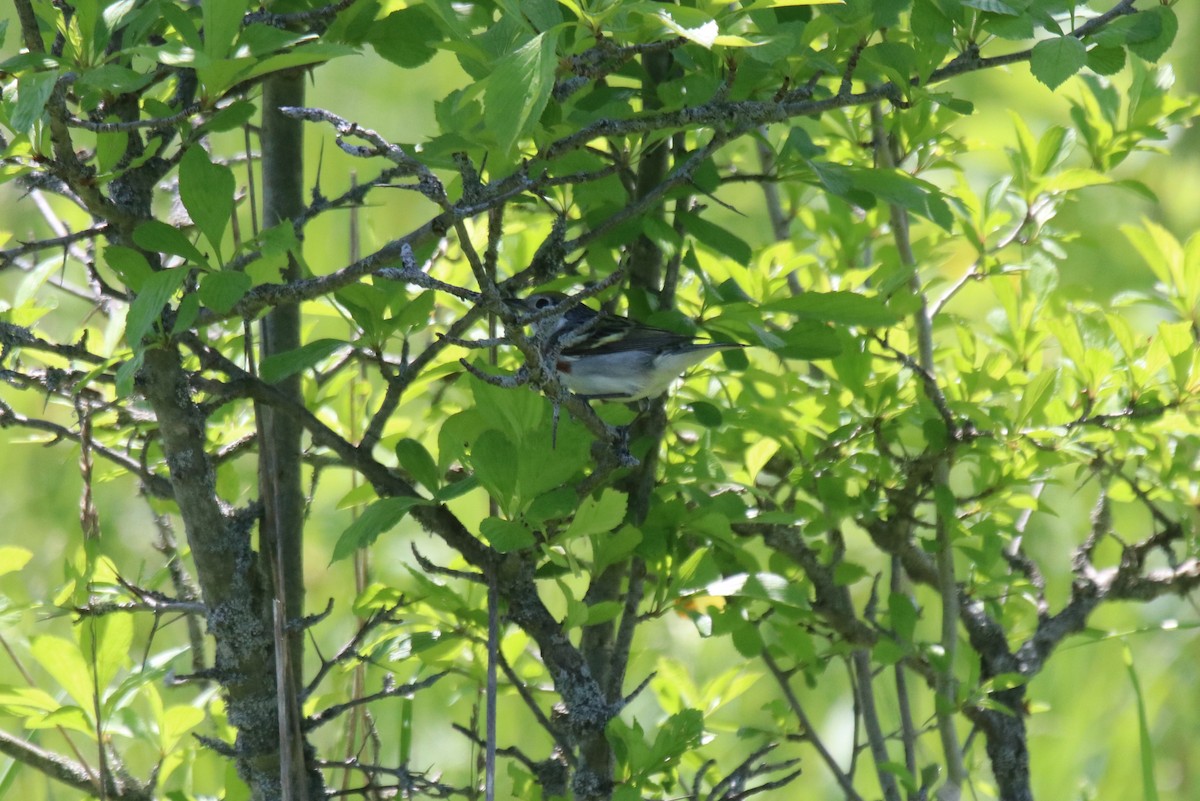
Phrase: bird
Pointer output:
(601, 356)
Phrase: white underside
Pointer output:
(629, 376)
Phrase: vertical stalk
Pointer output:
(946, 684)
(490, 256)
(282, 533)
(362, 556)
(908, 729)
(876, 741)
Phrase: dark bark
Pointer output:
(227, 570)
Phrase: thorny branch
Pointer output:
(389, 690)
(350, 651)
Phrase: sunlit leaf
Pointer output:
(281, 365)
(33, 90)
(157, 290)
(519, 89)
(506, 535)
(416, 460)
(1054, 60)
(598, 515)
(206, 190)
(379, 517)
(221, 290)
(13, 558)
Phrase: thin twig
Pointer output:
(390, 690)
(810, 733)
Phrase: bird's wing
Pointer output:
(617, 334)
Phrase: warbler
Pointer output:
(602, 356)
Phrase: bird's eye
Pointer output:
(542, 303)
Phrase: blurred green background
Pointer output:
(1084, 736)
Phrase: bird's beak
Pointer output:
(517, 305)
(519, 308)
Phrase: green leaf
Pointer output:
(162, 238)
(993, 6)
(72, 718)
(898, 187)
(715, 237)
(114, 79)
(1154, 49)
(377, 518)
(1033, 398)
(303, 56)
(206, 190)
(110, 148)
(414, 458)
(518, 89)
(1145, 741)
(113, 639)
(542, 466)
(847, 573)
(26, 701)
(235, 115)
(1106, 60)
(13, 559)
(757, 4)
(185, 313)
(457, 433)
(603, 612)
(895, 60)
(1053, 148)
(707, 414)
(904, 615)
(129, 265)
(557, 503)
(517, 413)
(144, 312)
(506, 535)
(762, 587)
(177, 721)
(865, 186)
(704, 32)
(33, 90)
(179, 19)
(281, 365)
(126, 373)
(608, 549)
(264, 40)
(1016, 28)
(65, 664)
(357, 496)
(353, 26)
(406, 37)
(930, 25)
(494, 459)
(454, 489)
(846, 308)
(222, 20)
(679, 734)
(1054, 60)
(804, 339)
(598, 515)
(221, 290)
(1074, 178)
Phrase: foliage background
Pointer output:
(1086, 748)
